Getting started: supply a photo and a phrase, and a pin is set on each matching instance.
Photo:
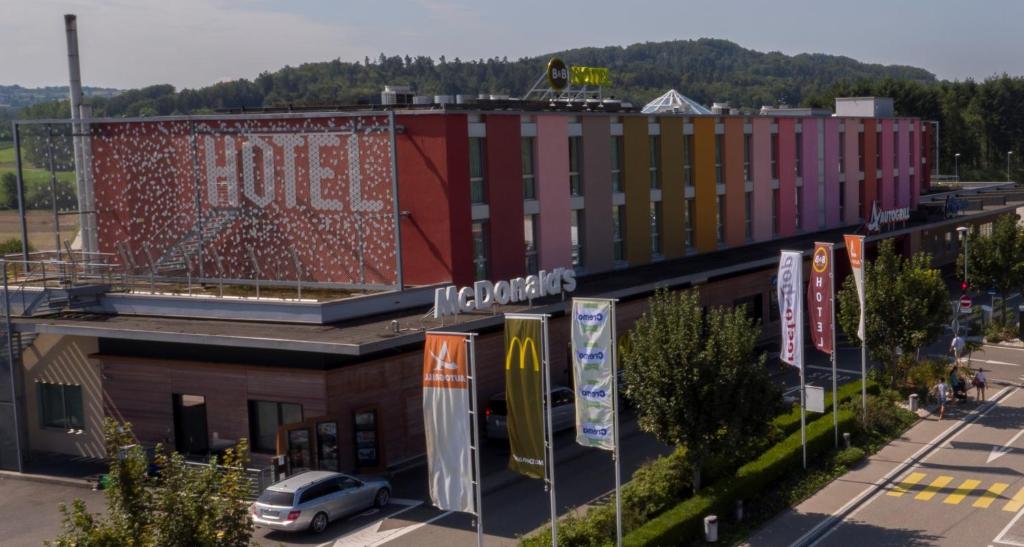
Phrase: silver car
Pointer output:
(563, 413)
(311, 500)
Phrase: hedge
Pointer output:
(686, 520)
(790, 422)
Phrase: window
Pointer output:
(842, 200)
(575, 182)
(878, 151)
(654, 143)
(317, 491)
(860, 199)
(561, 397)
(895, 147)
(775, 155)
(799, 167)
(746, 156)
(687, 160)
(265, 417)
(719, 158)
(798, 197)
(860, 151)
(576, 237)
(949, 240)
(775, 212)
(656, 228)
(752, 305)
(60, 406)
(616, 164)
(688, 214)
(480, 250)
(618, 233)
(477, 191)
(749, 212)
(842, 152)
(529, 180)
(530, 234)
(721, 218)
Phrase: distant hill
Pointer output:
(15, 96)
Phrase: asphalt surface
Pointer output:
(28, 510)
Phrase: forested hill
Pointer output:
(706, 70)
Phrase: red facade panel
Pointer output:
(504, 181)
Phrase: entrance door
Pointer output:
(190, 435)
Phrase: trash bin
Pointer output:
(711, 528)
(913, 402)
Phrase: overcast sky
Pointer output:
(192, 43)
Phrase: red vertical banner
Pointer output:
(819, 297)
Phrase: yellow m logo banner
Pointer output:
(523, 345)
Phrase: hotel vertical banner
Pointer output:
(855, 249)
(592, 367)
(790, 281)
(819, 297)
(523, 396)
(446, 422)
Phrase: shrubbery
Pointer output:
(850, 457)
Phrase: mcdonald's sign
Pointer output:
(524, 346)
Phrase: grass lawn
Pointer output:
(33, 176)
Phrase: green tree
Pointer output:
(907, 306)
(697, 379)
(996, 261)
(9, 190)
(184, 506)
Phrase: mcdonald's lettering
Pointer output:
(523, 344)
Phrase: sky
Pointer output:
(193, 43)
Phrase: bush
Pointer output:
(884, 417)
(790, 422)
(10, 246)
(925, 374)
(850, 456)
(999, 330)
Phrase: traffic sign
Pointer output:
(965, 303)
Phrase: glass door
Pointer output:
(190, 433)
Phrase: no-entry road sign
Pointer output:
(965, 303)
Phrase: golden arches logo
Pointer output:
(522, 344)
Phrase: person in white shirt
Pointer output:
(957, 348)
(940, 391)
(979, 384)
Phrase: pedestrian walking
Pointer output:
(941, 392)
(956, 347)
(979, 384)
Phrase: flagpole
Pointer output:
(550, 436)
(835, 349)
(478, 495)
(615, 429)
(864, 330)
(803, 409)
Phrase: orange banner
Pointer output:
(444, 362)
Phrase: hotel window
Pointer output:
(860, 199)
(687, 160)
(895, 148)
(656, 228)
(688, 214)
(576, 237)
(529, 180)
(878, 151)
(842, 152)
(775, 155)
(749, 212)
(477, 191)
(746, 156)
(265, 417)
(575, 181)
(530, 235)
(797, 199)
(720, 218)
(60, 406)
(618, 239)
(616, 164)
(860, 151)
(480, 250)
(799, 167)
(654, 143)
(719, 158)
(842, 201)
(775, 213)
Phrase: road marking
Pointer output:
(1016, 503)
(399, 532)
(990, 495)
(961, 491)
(1003, 347)
(364, 530)
(905, 484)
(1000, 451)
(991, 362)
(1002, 533)
(933, 488)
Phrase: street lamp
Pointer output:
(962, 231)
(956, 164)
(1008, 156)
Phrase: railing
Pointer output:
(259, 479)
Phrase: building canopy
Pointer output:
(673, 101)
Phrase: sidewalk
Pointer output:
(803, 524)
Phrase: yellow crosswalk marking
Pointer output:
(933, 488)
(905, 484)
(990, 495)
(961, 491)
(1016, 503)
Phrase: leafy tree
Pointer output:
(697, 380)
(182, 506)
(9, 190)
(996, 261)
(907, 306)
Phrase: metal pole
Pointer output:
(53, 189)
(615, 429)
(12, 371)
(835, 350)
(75, 103)
(398, 211)
(197, 191)
(863, 342)
(474, 410)
(803, 408)
(550, 436)
(21, 194)
(1008, 156)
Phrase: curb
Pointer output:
(50, 479)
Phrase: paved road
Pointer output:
(28, 510)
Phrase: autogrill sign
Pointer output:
(881, 218)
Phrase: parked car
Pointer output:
(563, 413)
(311, 500)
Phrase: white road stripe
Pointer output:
(1002, 533)
(973, 359)
(399, 532)
(410, 504)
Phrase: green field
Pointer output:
(40, 222)
(33, 176)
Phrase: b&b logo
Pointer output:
(593, 393)
(590, 317)
(595, 431)
(591, 356)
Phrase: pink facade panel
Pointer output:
(787, 176)
(762, 144)
(903, 141)
(851, 161)
(809, 197)
(888, 200)
(832, 173)
(554, 242)
(916, 165)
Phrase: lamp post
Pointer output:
(962, 231)
(956, 165)
(1009, 155)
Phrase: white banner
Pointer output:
(446, 422)
(593, 368)
(855, 249)
(790, 288)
